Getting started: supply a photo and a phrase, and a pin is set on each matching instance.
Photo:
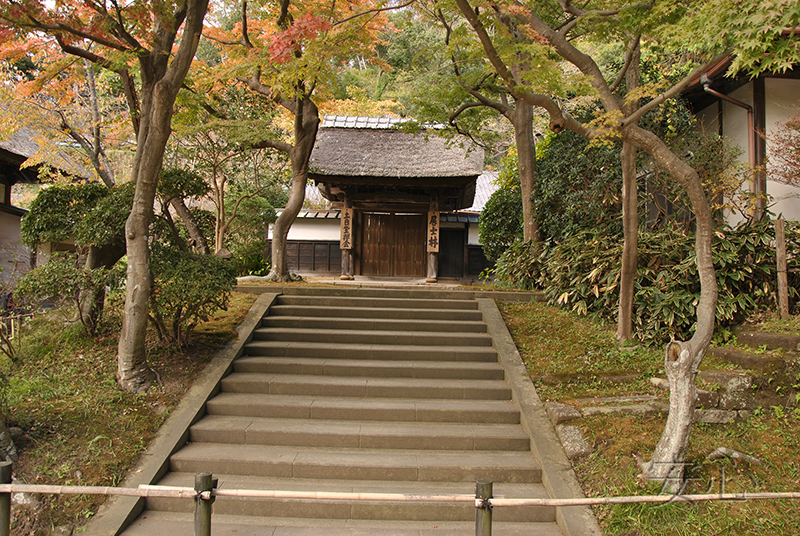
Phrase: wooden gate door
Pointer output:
(393, 245)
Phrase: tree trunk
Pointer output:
(630, 226)
(305, 134)
(682, 359)
(526, 154)
(630, 211)
(192, 227)
(280, 230)
(91, 306)
(160, 85)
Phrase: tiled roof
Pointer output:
(349, 121)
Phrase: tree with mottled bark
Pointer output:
(559, 35)
(553, 37)
(160, 39)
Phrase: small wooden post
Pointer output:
(5, 500)
(202, 507)
(483, 514)
(783, 280)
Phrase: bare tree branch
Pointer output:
(629, 55)
(375, 10)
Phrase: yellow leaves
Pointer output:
(605, 128)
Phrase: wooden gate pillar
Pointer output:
(432, 238)
(347, 240)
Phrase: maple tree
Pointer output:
(66, 105)
(550, 44)
(288, 54)
(140, 38)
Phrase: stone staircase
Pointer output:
(371, 391)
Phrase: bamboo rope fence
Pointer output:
(204, 493)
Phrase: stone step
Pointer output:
(358, 434)
(378, 324)
(181, 524)
(394, 352)
(772, 341)
(357, 510)
(357, 464)
(457, 315)
(359, 336)
(747, 360)
(403, 293)
(362, 409)
(300, 384)
(358, 367)
(377, 302)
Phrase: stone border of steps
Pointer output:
(558, 477)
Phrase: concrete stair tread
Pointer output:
(181, 524)
(378, 302)
(353, 386)
(323, 311)
(371, 367)
(324, 407)
(359, 434)
(400, 324)
(524, 490)
(368, 350)
(358, 464)
(323, 508)
(372, 336)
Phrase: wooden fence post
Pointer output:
(202, 507)
(483, 514)
(5, 500)
(783, 279)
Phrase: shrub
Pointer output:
(500, 223)
(582, 273)
(66, 284)
(187, 289)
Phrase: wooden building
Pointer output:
(747, 111)
(402, 205)
(14, 257)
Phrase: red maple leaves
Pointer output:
(291, 40)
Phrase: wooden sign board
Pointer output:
(346, 239)
(433, 232)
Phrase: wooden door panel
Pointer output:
(393, 245)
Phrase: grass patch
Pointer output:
(568, 356)
(78, 427)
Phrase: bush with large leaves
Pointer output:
(582, 273)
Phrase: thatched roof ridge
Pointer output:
(382, 152)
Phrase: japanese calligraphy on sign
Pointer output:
(346, 240)
(433, 232)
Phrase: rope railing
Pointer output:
(205, 492)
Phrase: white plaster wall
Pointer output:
(329, 229)
(313, 229)
(783, 99)
(472, 238)
(14, 257)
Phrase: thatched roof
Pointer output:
(382, 152)
(20, 145)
